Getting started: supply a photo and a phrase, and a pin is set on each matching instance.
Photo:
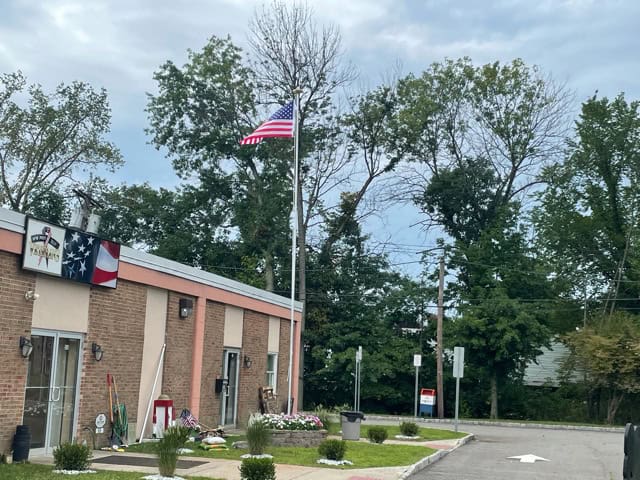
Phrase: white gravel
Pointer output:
(74, 472)
(160, 477)
(264, 455)
(334, 462)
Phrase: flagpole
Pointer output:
(294, 234)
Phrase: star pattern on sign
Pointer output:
(78, 256)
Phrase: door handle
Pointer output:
(226, 390)
(54, 397)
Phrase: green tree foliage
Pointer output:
(355, 301)
(46, 143)
(589, 208)
(199, 115)
(481, 134)
(607, 351)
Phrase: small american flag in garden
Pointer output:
(88, 259)
(280, 124)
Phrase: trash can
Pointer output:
(351, 425)
(21, 443)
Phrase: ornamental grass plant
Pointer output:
(174, 438)
(258, 434)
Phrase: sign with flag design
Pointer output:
(71, 254)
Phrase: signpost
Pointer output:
(417, 362)
(458, 373)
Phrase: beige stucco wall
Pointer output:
(61, 305)
(154, 329)
(233, 323)
(274, 335)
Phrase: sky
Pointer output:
(118, 44)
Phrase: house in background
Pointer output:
(545, 371)
(64, 327)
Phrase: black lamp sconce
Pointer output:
(97, 351)
(26, 347)
(247, 361)
(186, 307)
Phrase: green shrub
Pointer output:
(173, 439)
(377, 434)
(409, 429)
(333, 449)
(257, 469)
(72, 456)
(258, 435)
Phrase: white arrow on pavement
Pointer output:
(529, 458)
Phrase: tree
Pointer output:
(354, 300)
(47, 143)
(476, 138)
(607, 351)
(289, 51)
(199, 115)
(589, 209)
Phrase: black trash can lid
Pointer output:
(353, 416)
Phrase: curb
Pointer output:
(425, 462)
(488, 423)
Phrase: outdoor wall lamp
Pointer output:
(31, 295)
(247, 361)
(26, 347)
(97, 351)
(186, 307)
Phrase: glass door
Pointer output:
(228, 411)
(52, 388)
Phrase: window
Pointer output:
(272, 368)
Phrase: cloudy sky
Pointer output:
(117, 44)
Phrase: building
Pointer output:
(59, 339)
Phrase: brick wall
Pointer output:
(116, 322)
(283, 365)
(255, 338)
(212, 364)
(15, 320)
(176, 376)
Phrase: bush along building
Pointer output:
(76, 308)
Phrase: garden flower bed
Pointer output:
(295, 430)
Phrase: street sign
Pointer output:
(417, 360)
(458, 362)
(359, 354)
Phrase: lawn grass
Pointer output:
(425, 434)
(29, 471)
(362, 454)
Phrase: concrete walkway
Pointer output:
(230, 469)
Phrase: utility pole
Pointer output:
(440, 393)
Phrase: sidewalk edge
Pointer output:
(425, 462)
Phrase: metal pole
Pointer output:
(153, 389)
(457, 400)
(294, 235)
(355, 386)
(439, 381)
(415, 414)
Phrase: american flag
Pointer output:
(88, 259)
(280, 124)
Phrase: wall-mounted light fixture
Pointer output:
(26, 347)
(31, 295)
(247, 361)
(97, 351)
(186, 307)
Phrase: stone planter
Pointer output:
(297, 438)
